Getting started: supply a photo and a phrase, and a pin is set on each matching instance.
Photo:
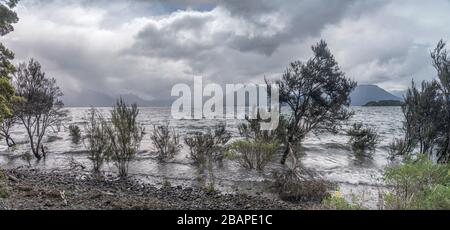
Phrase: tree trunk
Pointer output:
(10, 142)
(287, 151)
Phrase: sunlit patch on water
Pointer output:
(329, 154)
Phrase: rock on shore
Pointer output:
(37, 190)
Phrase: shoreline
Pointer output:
(32, 189)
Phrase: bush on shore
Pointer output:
(3, 189)
(417, 184)
(337, 202)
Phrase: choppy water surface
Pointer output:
(329, 154)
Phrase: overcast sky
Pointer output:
(146, 47)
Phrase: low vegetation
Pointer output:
(337, 202)
(418, 183)
(254, 154)
(3, 187)
(97, 139)
(299, 184)
(125, 135)
(166, 141)
(363, 138)
(75, 133)
(206, 148)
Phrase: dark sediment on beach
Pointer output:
(40, 190)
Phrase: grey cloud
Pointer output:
(146, 47)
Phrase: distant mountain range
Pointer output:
(360, 96)
(87, 98)
(364, 94)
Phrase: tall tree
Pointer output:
(7, 18)
(441, 62)
(42, 105)
(317, 93)
(427, 113)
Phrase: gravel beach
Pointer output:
(39, 190)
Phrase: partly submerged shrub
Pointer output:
(362, 138)
(204, 148)
(299, 184)
(254, 154)
(418, 184)
(98, 140)
(125, 135)
(207, 148)
(75, 133)
(166, 141)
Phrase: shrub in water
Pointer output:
(418, 184)
(125, 135)
(294, 189)
(166, 141)
(75, 133)
(98, 141)
(204, 148)
(207, 148)
(254, 154)
(298, 184)
(362, 138)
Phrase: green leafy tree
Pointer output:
(7, 95)
(317, 93)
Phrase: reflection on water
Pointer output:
(329, 154)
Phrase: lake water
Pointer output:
(329, 154)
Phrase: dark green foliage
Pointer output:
(362, 138)
(3, 186)
(7, 93)
(41, 108)
(7, 16)
(259, 146)
(75, 133)
(418, 183)
(317, 93)
(125, 135)
(427, 113)
(166, 141)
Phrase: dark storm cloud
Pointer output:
(145, 47)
